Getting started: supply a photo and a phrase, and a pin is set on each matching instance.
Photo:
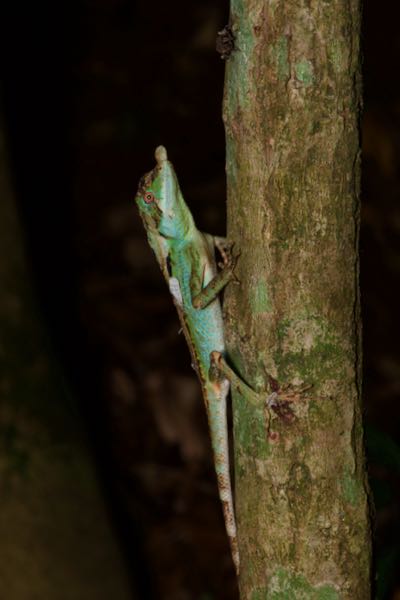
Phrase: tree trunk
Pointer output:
(291, 110)
(55, 539)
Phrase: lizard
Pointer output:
(186, 257)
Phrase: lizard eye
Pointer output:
(149, 197)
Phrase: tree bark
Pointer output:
(291, 111)
(56, 542)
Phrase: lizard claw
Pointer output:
(223, 247)
(233, 259)
(229, 257)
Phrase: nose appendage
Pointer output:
(160, 154)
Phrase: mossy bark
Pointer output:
(56, 542)
(291, 110)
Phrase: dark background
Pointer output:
(90, 88)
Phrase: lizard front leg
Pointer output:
(217, 284)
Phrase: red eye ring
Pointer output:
(149, 197)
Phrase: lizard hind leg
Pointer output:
(219, 369)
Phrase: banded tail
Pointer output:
(216, 395)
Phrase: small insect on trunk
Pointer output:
(225, 42)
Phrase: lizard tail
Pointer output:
(229, 517)
(216, 411)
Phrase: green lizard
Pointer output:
(186, 257)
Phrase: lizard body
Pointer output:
(187, 260)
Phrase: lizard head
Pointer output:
(160, 201)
